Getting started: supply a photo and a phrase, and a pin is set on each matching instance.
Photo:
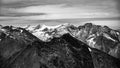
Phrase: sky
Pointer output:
(34, 10)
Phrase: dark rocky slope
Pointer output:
(100, 59)
(13, 41)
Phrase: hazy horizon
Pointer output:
(112, 23)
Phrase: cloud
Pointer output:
(95, 9)
(62, 11)
(10, 1)
(18, 11)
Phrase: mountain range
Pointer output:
(96, 36)
(62, 46)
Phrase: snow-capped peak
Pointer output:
(44, 32)
(29, 27)
(48, 27)
(42, 27)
